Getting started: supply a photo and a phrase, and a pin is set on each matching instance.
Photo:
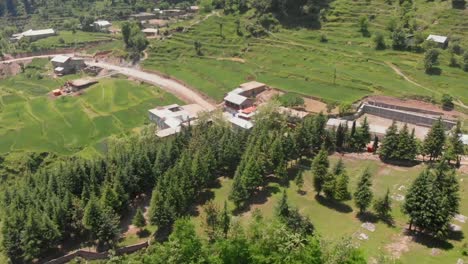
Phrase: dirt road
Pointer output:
(181, 91)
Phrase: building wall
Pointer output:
(405, 117)
(159, 122)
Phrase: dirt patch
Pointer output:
(267, 95)
(316, 106)
(11, 69)
(399, 245)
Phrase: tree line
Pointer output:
(83, 200)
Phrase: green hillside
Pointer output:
(31, 121)
(294, 58)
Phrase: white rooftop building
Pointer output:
(169, 119)
(34, 34)
(102, 25)
(464, 139)
(441, 40)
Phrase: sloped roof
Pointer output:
(39, 32)
(60, 59)
(242, 123)
(235, 98)
(437, 38)
(252, 85)
(103, 23)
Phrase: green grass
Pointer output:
(295, 60)
(31, 121)
(333, 223)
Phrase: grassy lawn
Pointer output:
(334, 221)
(295, 59)
(31, 121)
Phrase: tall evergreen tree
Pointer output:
(390, 143)
(320, 166)
(455, 148)
(383, 206)
(139, 220)
(435, 139)
(363, 195)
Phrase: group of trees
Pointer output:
(354, 139)
(334, 182)
(403, 146)
(433, 200)
(262, 241)
(134, 39)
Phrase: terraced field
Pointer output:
(31, 121)
(344, 69)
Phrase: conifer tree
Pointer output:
(225, 220)
(299, 180)
(282, 209)
(375, 144)
(383, 206)
(281, 171)
(92, 216)
(455, 145)
(139, 220)
(435, 139)
(320, 166)
(340, 137)
(364, 135)
(341, 192)
(363, 195)
(339, 167)
(329, 185)
(403, 151)
(390, 143)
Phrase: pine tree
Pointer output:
(341, 192)
(139, 220)
(339, 167)
(375, 145)
(225, 220)
(364, 135)
(329, 185)
(340, 137)
(363, 194)
(455, 145)
(320, 166)
(282, 209)
(390, 143)
(383, 206)
(435, 139)
(92, 216)
(404, 144)
(299, 180)
(212, 223)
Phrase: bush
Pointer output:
(431, 59)
(447, 101)
(291, 99)
(323, 38)
(379, 41)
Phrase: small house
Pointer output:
(237, 101)
(66, 64)
(150, 32)
(442, 41)
(102, 25)
(169, 119)
(194, 9)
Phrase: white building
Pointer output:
(102, 25)
(34, 35)
(171, 118)
(442, 41)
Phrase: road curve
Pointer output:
(179, 90)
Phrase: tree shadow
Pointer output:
(259, 197)
(428, 240)
(368, 217)
(402, 163)
(162, 234)
(434, 71)
(333, 204)
(205, 196)
(456, 235)
(143, 233)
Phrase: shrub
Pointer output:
(379, 41)
(290, 100)
(323, 38)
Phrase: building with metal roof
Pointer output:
(34, 35)
(170, 118)
(442, 41)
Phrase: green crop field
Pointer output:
(333, 221)
(295, 60)
(31, 121)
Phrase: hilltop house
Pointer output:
(33, 35)
(143, 16)
(102, 25)
(171, 118)
(66, 64)
(236, 101)
(442, 41)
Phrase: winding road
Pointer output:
(181, 91)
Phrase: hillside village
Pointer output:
(233, 131)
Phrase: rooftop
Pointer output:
(82, 82)
(102, 23)
(292, 112)
(60, 59)
(174, 115)
(251, 85)
(39, 32)
(464, 139)
(142, 14)
(242, 123)
(437, 38)
(235, 98)
(150, 30)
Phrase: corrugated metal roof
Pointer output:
(103, 23)
(39, 32)
(242, 123)
(252, 85)
(235, 98)
(60, 59)
(437, 38)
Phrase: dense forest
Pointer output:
(73, 199)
